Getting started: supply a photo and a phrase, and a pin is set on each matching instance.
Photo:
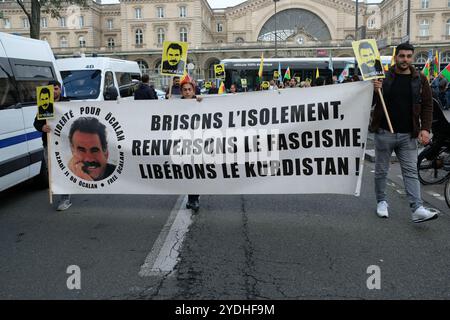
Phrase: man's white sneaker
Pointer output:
(64, 205)
(421, 214)
(382, 209)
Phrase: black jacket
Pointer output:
(145, 92)
(422, 113)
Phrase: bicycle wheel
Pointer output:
(431, 168)
(447, 193)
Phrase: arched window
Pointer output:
(139, 37)
(82, 42)
(183, 34)
(424, 27)
(63, 42)
(422, 58)
(111, 43)
(160, 35)
(142, 65)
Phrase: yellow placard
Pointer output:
(174, 58)
(244, 83)
(219, 70)
(265, 85)
(207, 84)
(276, 75)
(45, 102)
(368, 57)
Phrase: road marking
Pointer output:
(435, 195)
(164, 255)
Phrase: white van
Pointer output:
(93, 78)
(24, 64)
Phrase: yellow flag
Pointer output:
(317, 73)
(393, 58)
(260, 72)
(222, 88)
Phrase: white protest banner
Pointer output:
(301, 140)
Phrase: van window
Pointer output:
(81, 84)
(34, 72)
(8, 96)
(126, 86)
(27, 90)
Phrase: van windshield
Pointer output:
(81, 84)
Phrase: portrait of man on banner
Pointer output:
(219, 70)
(45, 102)
(174, 58)
(89, 146)
(368, 57)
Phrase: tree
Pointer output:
(33, 8)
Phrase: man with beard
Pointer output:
(370, 66)
(409, 104)
(173, 64)
(89, 147)
(41, 126)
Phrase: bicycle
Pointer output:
(431, 161)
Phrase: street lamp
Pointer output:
(276, 53)
(356, 21)
(408, 20)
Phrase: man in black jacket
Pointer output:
(41, 126)
(145, 90)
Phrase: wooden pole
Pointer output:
(49, 167)
(385, 111)
(170, 87)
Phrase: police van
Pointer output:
(98, 78)
(24, 65)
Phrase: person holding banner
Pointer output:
(409, 103)
(41, 126)
(176, 91)
(188, 92)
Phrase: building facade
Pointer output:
(136, 29)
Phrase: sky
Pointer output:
(228, 3)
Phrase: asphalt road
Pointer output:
(236, 247)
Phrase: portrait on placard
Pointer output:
(219, 70)
(45, 102)
(368, 57)
(174, 58)
(244, 83)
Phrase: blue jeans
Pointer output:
(406, 150)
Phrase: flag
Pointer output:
(260, 72)
(330, 64)
(386, 67)
(393, 58)
(287, 74)
(344, 73)
(317, 73)
(446, 72)
(426, 70)
(222, 88)
(436, 65)
(185, 78)
(280, 79)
